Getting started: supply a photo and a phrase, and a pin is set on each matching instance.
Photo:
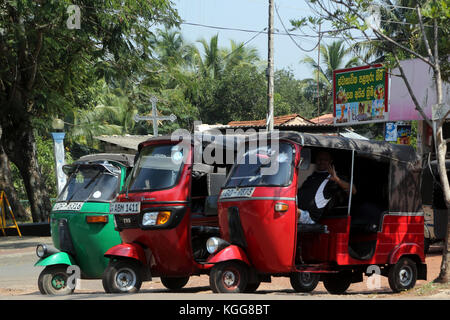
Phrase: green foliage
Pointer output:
(46, 159)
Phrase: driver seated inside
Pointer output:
(319, 188)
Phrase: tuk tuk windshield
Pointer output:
(157, 168)
(277, 163)
(90, 184)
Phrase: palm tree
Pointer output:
(211, 64)
(240, 54)
(113, 114)
(172, 49)
(333, 57)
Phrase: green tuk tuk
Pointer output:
(81, 227)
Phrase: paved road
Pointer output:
(18, 280)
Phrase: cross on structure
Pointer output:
(154, 117)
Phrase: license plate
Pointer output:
(125, 207)
(237, 193)
(74, 206)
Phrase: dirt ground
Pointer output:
(19, 257)
(282, 286)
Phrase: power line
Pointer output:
(245, 43)
(290, 36)
(256, 31)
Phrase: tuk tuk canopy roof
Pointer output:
(123, 158)
(230, 141)
(397, 152)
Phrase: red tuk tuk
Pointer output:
(380, 228)
(165, 213)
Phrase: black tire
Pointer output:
(174, 283)
(426, 245)
(122, 276)
(304, 281)
(252, 286)
(402, 275)
(337, 283)
(229, 277)
(53, 280)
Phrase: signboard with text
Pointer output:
(360, 95)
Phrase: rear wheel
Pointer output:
(53, 280)
(173, 283)
(229, 277)
(304, 281)
(252, 286)
(122, 276)
(337, 283)
(402, 275)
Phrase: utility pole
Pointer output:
(269, 71)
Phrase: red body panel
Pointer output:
(231, 252)
(170, 249)
(399, 235)
(271, 237)
(127, 250)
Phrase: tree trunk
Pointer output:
(20, 146)
(6, 184)
(441, 155)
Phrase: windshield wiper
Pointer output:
(85, 187)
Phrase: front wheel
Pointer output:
(229, 277)
(53, 280)
(304, 281)
(122, 276)
(402, 275)
(174, 283)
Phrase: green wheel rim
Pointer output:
(58, 282)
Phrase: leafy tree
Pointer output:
(47, 66)
(291, 95)
(333, 56)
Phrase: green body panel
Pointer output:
(90, 240)
(57, 258)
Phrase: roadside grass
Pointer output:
(428, 289)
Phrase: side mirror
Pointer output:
(305, 159)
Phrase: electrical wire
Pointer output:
(290, 36)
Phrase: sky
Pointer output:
(251, 15)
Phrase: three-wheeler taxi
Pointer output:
(380, 229)
(166, 212)
(80, 224)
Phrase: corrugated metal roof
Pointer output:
(126, 141)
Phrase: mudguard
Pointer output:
(232, 252)
(56, 258)
(127, 250)
(406, 249)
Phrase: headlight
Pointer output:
(149, 218)
(155, 218)
(215, 244)
(41, 250)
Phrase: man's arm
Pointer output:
(341, 183)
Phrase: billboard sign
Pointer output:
(360, 95)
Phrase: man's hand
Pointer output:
(343, 184)
(333, 174)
